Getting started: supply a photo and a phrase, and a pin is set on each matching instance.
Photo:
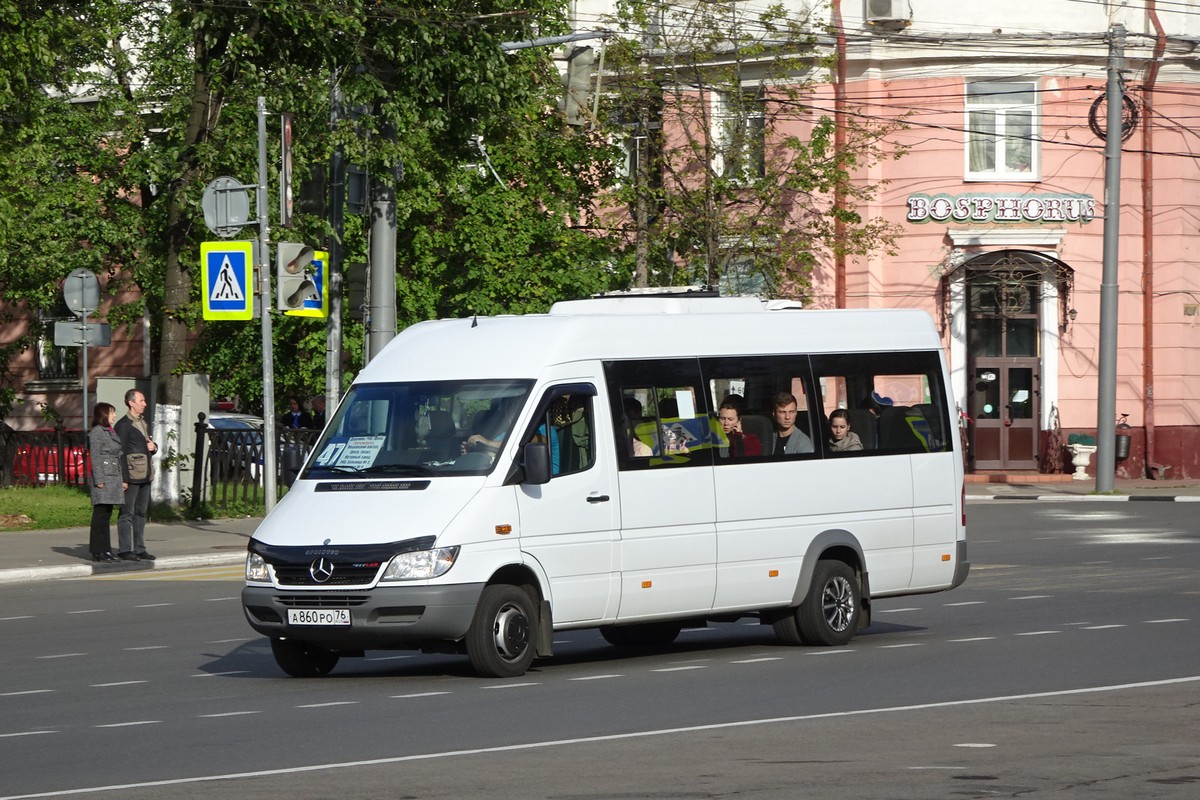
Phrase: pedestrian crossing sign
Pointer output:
(227, 270)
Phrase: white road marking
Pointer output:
(220, 674)
(613, 737)
(1033, 597)
(27, 691)
(896, 610)
(116, 683)
(154, 605)
(975, 744)
(1161, 621)
(898, 646)
(24, 733)
(512, 685)
(417, 694)
(680, 669)
(63, 655)
(332, 703)
(227, 714)
(975, 639)
(966, 603)
(1036, 633)
(130, 724)
(10, 619)
(151, 647)
(87, 611)
(596, 677)
(757, 660)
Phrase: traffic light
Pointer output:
(301, 278)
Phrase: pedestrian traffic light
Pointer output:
(300, 280)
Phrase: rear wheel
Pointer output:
(500, 640)
(646, 634)
(830, 612)
(303, 660)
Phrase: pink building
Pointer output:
(1000, 199)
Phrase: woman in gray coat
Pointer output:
(108, 487)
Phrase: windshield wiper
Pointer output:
(397, 469)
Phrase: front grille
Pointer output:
(344, 574)
(321, 600)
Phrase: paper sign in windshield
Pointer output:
(358, 452)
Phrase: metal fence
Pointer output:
(228, 463)
(43, 458)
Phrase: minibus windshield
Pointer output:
(419, 429)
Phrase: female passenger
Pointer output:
(842, 439)
(741, 444)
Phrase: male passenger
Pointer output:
(788, 439)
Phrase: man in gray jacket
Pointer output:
(788, 439)
(137, 448)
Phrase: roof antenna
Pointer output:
(475, 321)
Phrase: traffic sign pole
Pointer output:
(265, 297)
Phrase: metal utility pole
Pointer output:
(381, 310)
(265, 305)
(337, 220)
(1106, 396)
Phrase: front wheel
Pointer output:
(303, 660)
(830, 612)
(500, 640)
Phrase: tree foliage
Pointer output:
(738, 175)
(120, 113)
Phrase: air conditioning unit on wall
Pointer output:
(887, 13)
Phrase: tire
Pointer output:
(829, 615)
(646, 634)
(303, 660)
(500, 641)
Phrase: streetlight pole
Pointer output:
(265, 307)
(1106, 396)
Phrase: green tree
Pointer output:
(737, 179)
(127, 110)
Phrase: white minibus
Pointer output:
(636, 464)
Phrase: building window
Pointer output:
(739, 132)
(1002, 120)
(56, 363)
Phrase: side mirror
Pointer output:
(537, 463)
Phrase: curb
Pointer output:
(31, 574)
(1095, 498)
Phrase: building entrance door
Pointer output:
(1003, 391)
(1004, 404)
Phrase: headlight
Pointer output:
(256, 569)
(420, 565)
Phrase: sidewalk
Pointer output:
(63, 553)
(54, 554)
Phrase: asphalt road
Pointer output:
(1067, 666)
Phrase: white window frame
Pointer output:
(1005, 102)
(750, 116)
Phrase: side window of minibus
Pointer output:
(762, 385)
(660, 414)
(894, 402)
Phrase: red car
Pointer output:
(36, 462)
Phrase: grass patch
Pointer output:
(46, 507)
(49, 507)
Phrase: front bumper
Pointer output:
(382, 618)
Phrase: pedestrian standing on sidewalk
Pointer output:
(137, 447)
(108, 480)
